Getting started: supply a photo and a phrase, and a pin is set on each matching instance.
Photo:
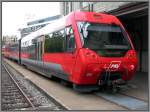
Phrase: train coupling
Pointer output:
(118, 82)
(112, 85)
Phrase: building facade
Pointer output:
(67, 7)
(9, 40)
(133, 15)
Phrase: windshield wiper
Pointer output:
(122, 47)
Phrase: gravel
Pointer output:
(40, 99)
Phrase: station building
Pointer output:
(37, 24)
(9, 40)
(133, 15)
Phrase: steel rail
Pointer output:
(22, 92)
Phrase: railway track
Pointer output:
(16, 97)
(13, 97)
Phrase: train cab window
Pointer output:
(108, 40)
(70, 39)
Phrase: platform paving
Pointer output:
(138, 86)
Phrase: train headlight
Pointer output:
(131, 54)
(132, 67)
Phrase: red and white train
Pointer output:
(87, 49)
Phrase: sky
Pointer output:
(15, 15)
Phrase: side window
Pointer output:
(70, 39)
(48, 43)
(59, 38)
(54, 42)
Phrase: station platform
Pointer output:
(138, 86)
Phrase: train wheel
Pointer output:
(65, 83)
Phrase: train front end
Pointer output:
(107, 54)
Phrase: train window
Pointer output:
(47, 43)
(59, 41)
(100, 36)
(105, 39)
(70, 39)
(54, 42)
(32, 51)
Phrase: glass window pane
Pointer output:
(70, 39)
(54, 42)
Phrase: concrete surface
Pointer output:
(138, 86)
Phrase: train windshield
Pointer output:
(103, 38)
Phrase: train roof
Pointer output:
(95, 17)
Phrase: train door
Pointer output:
(19, 61)
(69, 57)
(40, 48)
(39, 53)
